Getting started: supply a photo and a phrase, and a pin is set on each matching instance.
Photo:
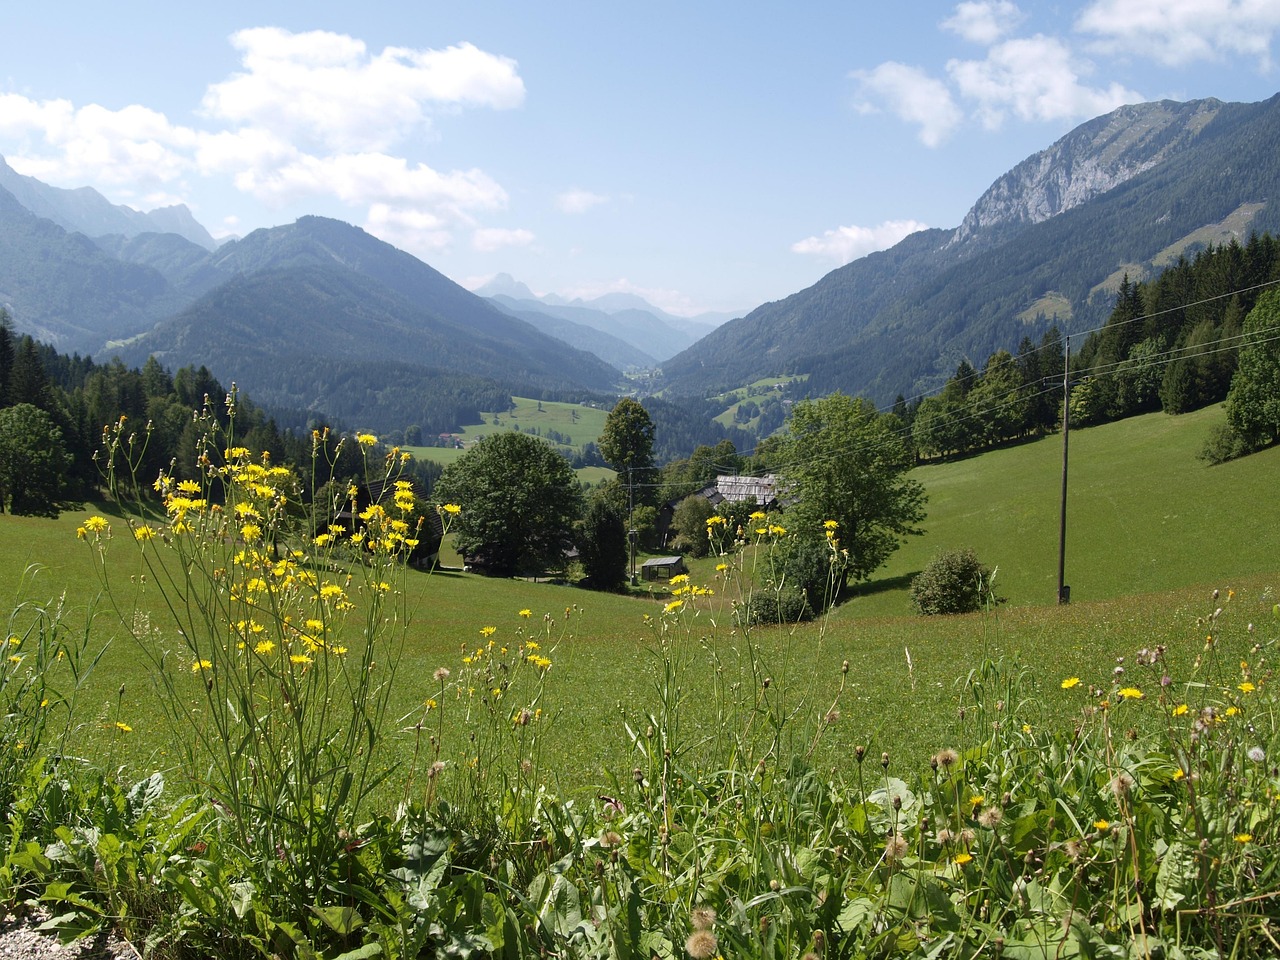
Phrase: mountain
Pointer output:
(619, 354)
(320, 315)
(652, 334)
(85, 210)
(1048, 243)
(63, 289)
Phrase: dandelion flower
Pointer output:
(960, 859)
(1180, 710)
(264, 647)
(1070, 682)
(1246, 687)
(896, 847)
(300, 658)
(947, 758)
(1102, 824)
(990, 817)
(701, 944)
(201, 665)
(123, 727)
(366, 439)
(526, 613)
(673, 606)
(488, 631)
(1244, 837)
(452, 509)
(97, 525)
(1131, 693)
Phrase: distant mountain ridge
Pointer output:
(85, 210)
(320, 294)
(1060, 229)
(630, 318)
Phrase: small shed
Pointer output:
(662, 568)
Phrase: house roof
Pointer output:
(662, 561)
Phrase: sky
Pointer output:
(708, 156)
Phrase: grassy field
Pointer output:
(1152, 532)
(582, 425)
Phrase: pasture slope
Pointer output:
(1152, 532)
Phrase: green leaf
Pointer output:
(362, 952)
(341, 920)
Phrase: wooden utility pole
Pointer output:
(1064, 591)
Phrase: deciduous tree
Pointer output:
(848, 464)
(1253, 405)
(519, 500)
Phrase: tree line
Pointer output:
(54, 409)
(1171, 343)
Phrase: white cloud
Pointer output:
(417, 231)
(845, 244)
(914, 96)
(578, 201)
(1177, 32)
(327, 88)
(489, 239)
(60, 144)
(984, 22)
(367, 178)
(1035, 78)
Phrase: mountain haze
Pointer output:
(1047, 243)
(327, 298)
(85, 210)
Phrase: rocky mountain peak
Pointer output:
(1094, 158)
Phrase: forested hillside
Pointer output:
(1171, 343)
(900, 321)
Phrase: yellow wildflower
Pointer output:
(123, 727)
(97, 524)
(264, 647)
(1070, 682)
(452, 509)
(366, 439)
(1246, 687)
(201, 665)
(1131, 693)
(526, 613)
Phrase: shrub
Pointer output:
(1224, 443)
(955, 581)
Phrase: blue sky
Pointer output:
(708, 156)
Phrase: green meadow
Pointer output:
(581, 424)
(1152, 531)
